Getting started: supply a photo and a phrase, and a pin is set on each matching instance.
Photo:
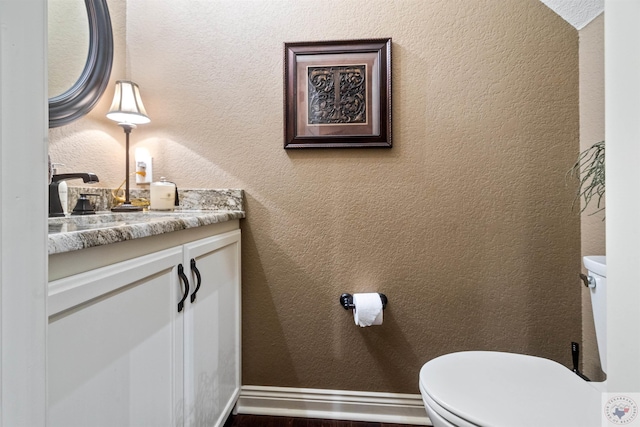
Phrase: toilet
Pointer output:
(497, 389)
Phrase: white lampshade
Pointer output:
(127, 104)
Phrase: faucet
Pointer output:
(55, 207)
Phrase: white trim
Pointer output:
(333, 404)
(622, 106)
(23, 214)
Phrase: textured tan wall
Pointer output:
(465, 224)
(591, 131)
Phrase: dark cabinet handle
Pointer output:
(186, 286)
(194, 269)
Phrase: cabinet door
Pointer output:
(212, 330)
(115, 342)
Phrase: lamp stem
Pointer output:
(127, 131)
(126, 206)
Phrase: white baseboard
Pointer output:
(333, 404)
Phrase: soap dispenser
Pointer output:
(62, 189)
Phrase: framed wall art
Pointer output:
(337, 94)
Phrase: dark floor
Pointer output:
(264, 421)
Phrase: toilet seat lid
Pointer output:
(505, 389)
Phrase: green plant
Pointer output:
(589, 169)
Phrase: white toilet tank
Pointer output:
(597, 269)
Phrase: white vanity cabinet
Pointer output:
(212, 330)
(121, 353)
(114, 344)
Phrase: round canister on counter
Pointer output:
(163, 195)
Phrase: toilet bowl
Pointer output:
(494, 389)
(498, 389)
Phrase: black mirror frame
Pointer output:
(85, 93)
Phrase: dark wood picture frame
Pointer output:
(355, 112)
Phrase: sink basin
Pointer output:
(110, 219)
(85, 231)
(199, 208)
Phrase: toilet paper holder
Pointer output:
(346, 300)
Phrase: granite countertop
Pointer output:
(72, 233)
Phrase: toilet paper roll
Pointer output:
(368, 309)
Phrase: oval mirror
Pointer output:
(87, 90)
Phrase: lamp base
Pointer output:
(126, 207)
